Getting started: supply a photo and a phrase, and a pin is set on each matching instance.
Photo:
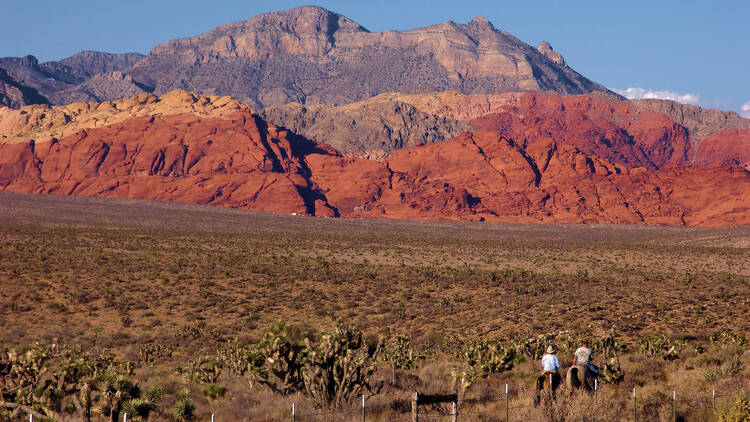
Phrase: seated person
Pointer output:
(550, 362)
(583, 356)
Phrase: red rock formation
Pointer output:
(482, 175)
(725, 148)
(238, 160)
(604, 128)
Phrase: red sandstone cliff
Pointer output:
(540, 158)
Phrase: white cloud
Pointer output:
(642, 93)
(745, 110)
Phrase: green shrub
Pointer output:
(338, 369)
(214, 391)
(738, 411)
(398, 351)
(184, 408)
(660, 347)
(488, 356)
(729, 337)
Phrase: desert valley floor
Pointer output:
(126, 274)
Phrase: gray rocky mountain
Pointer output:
(310, 55)
(698, 121)
(86, 76)
(369, 129)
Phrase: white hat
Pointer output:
(550, 349)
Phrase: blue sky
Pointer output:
(694, 51)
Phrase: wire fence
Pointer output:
(433, 413)
(506, 412)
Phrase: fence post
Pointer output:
(125, 417)
(414, 402)
(393, 373)
(674, 405)
(507, 413)
(635, 407)
(713, 399)
(363, 408)
(454, 414)
(292, 411)
(212, 417)
(596, 388)
(31, 417)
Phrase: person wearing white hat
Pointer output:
(550, 374)
(550, 362)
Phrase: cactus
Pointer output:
(660, 347)
(731, 338)
(205, 370)
(398, 351)
(184, 408)
(609, 349)
(275, 362)
(39, 378)
(239, 357)
(488, 356)
(338, 369)
(150, 353)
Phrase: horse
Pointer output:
(580, 376)
(548, 381)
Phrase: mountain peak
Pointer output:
(312, 55)
(480, 22)
(308, 18)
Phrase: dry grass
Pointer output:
(126, 274)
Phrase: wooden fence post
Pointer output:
(418, 399)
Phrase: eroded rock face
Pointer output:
(601, 127)
(698, 121)
(370, 129)
(482, 175)
(309, 55)
(536, 164)
(236, 161)
(607, 129)
(725, 148)
(15, 94)
(86, 76)
(41, 122)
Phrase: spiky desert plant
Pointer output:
(338, 369)
(283, 360)
(729, 337)
(398, 350)
(40, 378)
(738, 411)
(660, 346)
(239, 357)
(184, 408)
(205, 370)
(488, 356)
(116, 390)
